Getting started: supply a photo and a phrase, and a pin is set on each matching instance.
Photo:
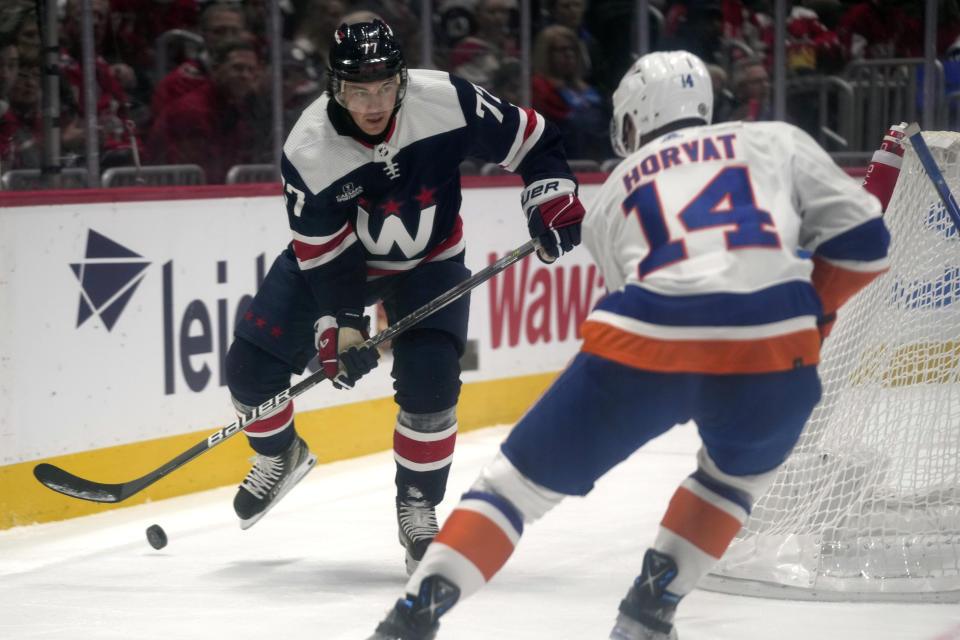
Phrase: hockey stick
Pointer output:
(76, 487)
(933, 171)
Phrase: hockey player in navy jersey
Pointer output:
(372, 187)
(712, 316)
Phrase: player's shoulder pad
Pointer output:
(430, 90)
(308, 143)
(432, 105)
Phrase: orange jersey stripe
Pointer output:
(708, 527)
(478, 538)
(763, 355)
(836, 285)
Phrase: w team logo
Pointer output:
(108, 275)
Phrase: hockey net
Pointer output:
(867, 507)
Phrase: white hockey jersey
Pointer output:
(703, 237)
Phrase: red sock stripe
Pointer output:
(478, 539)
(423, 452)
(275, 422)
(708, 527)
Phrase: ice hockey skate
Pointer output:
(270, 479)
(647, 611)
(416, 618)
(417, 526)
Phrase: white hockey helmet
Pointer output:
(659, 88)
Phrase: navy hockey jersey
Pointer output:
(359, 211)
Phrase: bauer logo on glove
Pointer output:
(554, 215)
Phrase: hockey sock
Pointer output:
(474, 543)
(270, 436)
(423, 446)
(696, 529)
(706, 512)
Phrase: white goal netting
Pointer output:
(867, 507)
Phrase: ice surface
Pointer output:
(326, 564)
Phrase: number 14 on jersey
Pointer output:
(727, 200)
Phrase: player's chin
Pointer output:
(374, 125)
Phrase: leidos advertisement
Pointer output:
(117, 317)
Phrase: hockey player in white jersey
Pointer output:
(713, 315)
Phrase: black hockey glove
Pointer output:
(554, 215)
(340, 347)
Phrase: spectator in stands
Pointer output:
(136, 25)
(9, 64)
(569, 13)
(951, 77)
(404, 21)
(301, 84)
(948, 26)
(699, 30)
(18, 22)
(723, 100)
(751, 91)
(561, 94)
(879, 29)
(477, 56)
(223, 122)
(317, 23)
(508, 82)
(21, 124)
(256, 16)
(742, 28)
(218, 23)
(607, 20)
(811, 46)
(112, 106)
(454, 20)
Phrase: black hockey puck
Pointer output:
(156, 536)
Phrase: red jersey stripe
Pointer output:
(531, 123)
(306, 251)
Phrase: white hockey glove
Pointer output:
(884, 168)
(340, 349)
(554, 215)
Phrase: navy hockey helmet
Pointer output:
(365, 52)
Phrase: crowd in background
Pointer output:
(187, 81)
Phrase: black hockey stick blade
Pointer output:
(62, 481)
(68, 484)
